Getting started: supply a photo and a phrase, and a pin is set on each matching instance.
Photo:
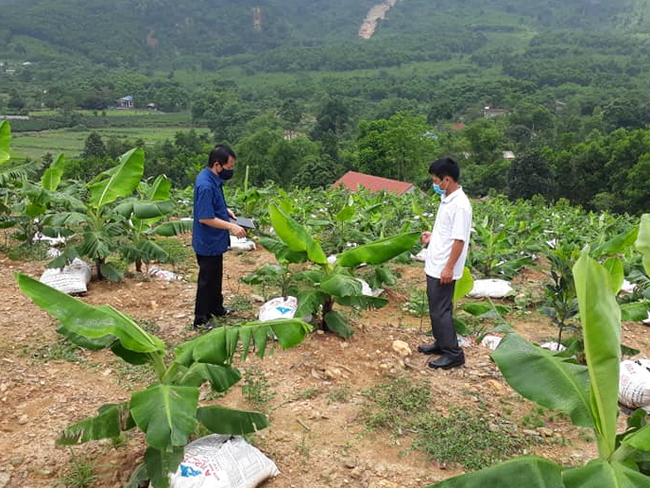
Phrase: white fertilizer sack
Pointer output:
(222, 461)
(71, 279)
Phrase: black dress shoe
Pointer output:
(447, 362)
(432, 348)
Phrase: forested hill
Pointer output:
(208, 34)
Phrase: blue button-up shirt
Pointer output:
(209, 203)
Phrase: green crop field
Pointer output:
(71, 142)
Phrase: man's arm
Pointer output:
(447, 274)
(234, 229)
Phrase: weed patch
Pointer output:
(256, 389)
(472, 440)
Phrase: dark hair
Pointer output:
(220, 154)
(445, 167)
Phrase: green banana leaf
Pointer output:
(282, 252)
(362, 301)
(616, 274)
(295, 236)
(145, 210)
(5, 141)
(539, 376)
(166, 413)
(464, 285)
(602, 474)
(640, 439)
(635, 311)
(213, 348)
(220, 377)
(173, 228)
(338, 324)
(309, 301)
(119, 181)
(52, 175)
(524, 472)
(601, 329)
(109, 423)
(379, 251)
(341, 285)
(345, 214)
(642, 243)
(87, 320)
(618, 243)
(160, 189)
(221, 420)
(159, 464)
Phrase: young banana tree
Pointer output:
(168, 411)
(588, 394)
(104, 229)
(329, 283)
(141, 215)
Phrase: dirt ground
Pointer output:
(314, 441)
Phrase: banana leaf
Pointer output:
(111, 420)
(295, 236)
(212, 347)
(602, 474)
(642, 243)
(601, 329)
(119, 181)
(88, 320)
(166, 413)
(616, 274)
(52, 175)
(5, 141)
(464, 285)
(618, 243)
(159, 464)
(173, 228)
(537, 375)
(221, 420)
(379, 251)
(338, 324)
(524, 472)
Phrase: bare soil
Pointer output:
(317, 441)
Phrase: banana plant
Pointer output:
(588, 394)
(168, 411)
(142, 213)
(104, 229)
(327, 283)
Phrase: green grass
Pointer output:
(81, 473)
(71, 142)
(256, 389)
(468, 438)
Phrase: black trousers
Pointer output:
(209, 298)
(442, 323)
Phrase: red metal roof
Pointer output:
(353, 180)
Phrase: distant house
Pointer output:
(151, 106)
(353, 181)
(509, 155)
(490, 113)
(124, 102)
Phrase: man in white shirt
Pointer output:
(445, 260)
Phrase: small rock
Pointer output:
(16, 460)
(495, 385)
(350, 463)
(545, 431)
(23, 419)
(4, 479)
(402, 348)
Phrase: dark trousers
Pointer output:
(440, 310)
(209, 299)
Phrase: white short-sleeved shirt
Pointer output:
(453, 222)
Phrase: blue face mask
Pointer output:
(438, 190)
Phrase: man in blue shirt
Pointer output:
(210, 235)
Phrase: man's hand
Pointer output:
(231, 214)
(446, 275)
(425, 237)
(237, 231)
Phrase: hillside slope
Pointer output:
(157, 32)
